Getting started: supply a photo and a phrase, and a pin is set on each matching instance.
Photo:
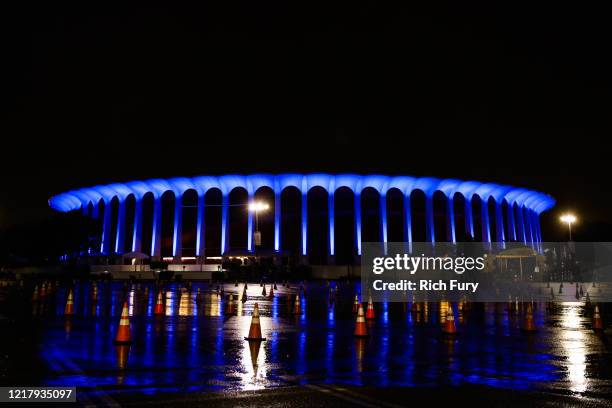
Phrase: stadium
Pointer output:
(317, 219)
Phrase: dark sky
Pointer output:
(515, 93)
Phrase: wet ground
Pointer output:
(196, 352)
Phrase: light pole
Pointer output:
(569, 219)
(256, 207)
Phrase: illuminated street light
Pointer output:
(257, 207)
(569, 219)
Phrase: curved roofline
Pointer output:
(76, 199)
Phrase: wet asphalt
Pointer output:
(196, 353)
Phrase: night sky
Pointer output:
(515, 93)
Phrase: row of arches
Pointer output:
(317, 224)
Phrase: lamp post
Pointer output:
(569, 219)
(257, 207)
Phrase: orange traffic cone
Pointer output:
(123, 332)
(94, 292)
(69, 309)
(449, 325)
(356, 304)
(255, 329)
(528, 323)
(159, 305)
(297, 305)
(597, 323)
(360, 325)
(370, 311)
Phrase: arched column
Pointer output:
(407, 221)
(106, 229)
(177, 241)
(499, 224)
(383, 219)
(358, 222)
(538, 226)
(224, 223)
(304, 223)
(120, 236)
(250, 243)
(156, 233)
(538, 230)
(277, 221)
(429, 218)
(450, 219)
(330, 231)
(521, 224)
(137, 235)
(529, 227)
(95, 212)
(486, 230)
(469, 219)
(201, 225)
(511, 224)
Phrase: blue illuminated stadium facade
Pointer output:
(514, 211)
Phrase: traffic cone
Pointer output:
(581, 291)
(159, 305)
(255, 329)
(94, 292)
(271, 292)
(370, 311)
(123, 332)
(236, 284)
(449, 325)
(275, 288)
(597, 323)
(552, 293)
(561, 288)
(43, 290)
(69, 309)
(356, 304)
(297, 305)
(263, 292)
(360, 325)
(528, 323)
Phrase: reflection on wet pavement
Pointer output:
(198, 344)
